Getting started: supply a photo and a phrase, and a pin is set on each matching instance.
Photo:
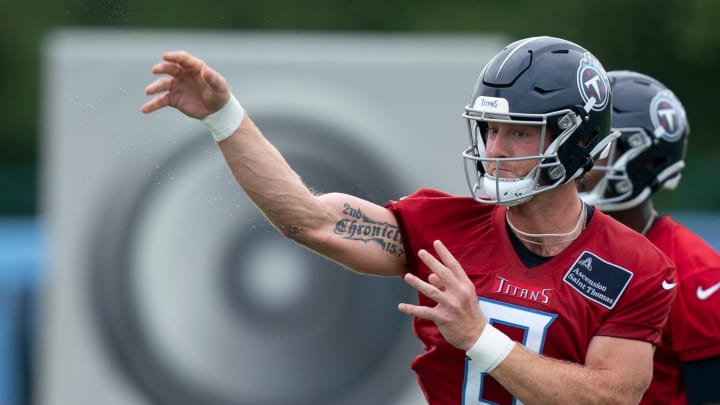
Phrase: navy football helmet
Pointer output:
(551, 83)
(649, 155)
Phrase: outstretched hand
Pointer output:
(191, 86)
(457, 313)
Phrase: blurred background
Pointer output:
(130, 264)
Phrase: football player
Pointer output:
(526, 294)
(649, 156)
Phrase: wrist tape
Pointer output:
(491, 348)
(223, 122)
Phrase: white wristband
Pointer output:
(223, 122)
(490, 349)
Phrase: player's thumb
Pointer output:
(214, 79)
(436, 281)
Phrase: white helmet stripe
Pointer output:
(523, 43)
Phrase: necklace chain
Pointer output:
(572, 234)
(546, 235)
(649, 223)
(557, 242)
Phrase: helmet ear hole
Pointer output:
(482, 128)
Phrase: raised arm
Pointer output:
(356, 233)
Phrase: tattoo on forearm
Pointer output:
(291, 230)
(356, 226)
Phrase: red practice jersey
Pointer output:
(693, 329)
(609, 282)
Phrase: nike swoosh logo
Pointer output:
(668, 286)
(705, 293)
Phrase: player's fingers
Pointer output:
(169, 68)
(424, 288)
(175, 56)
(159, 85)
(155, 104)
(438, 268)
(417, 311)
(449, 260)
(183, 59)
(436, 281)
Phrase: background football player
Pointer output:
(649, 156)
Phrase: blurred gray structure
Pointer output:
(165, 285)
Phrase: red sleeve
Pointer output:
(645, 311)
(427, 215)
(411, 203)
(694, 323)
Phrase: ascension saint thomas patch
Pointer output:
(598, 280)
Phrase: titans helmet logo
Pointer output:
(593, 82)
(668, 116)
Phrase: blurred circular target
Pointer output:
(201, 301)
